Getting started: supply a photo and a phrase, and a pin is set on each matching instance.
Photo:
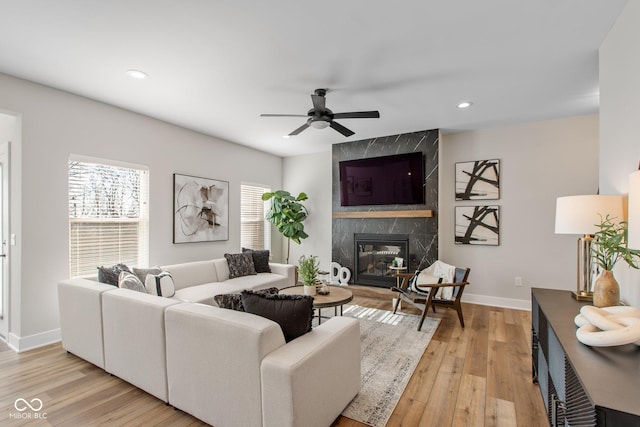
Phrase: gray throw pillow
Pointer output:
(292, 312)
(128, 280)
(234, 301)
(260, 259)
(142, 272)
(240, 265)
(109, 275)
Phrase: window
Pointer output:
(255, 232)
(108, 215)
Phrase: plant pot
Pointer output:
(606, 291)
(309, 290)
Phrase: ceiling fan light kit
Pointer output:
(320, 117)
(317, 124)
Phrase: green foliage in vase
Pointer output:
(610, 245)
(308, 269)
(287, 214)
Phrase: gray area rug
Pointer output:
(391, 348)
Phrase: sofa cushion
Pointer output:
(109, 275)
(222, 268)
(292, 312)
(141, 273)
(128, 280)
(259, 281)
(213, 363)
(240, 265)
(192, 273)
(205, 293)
(260, 259)
(234, 301)
(160, 284)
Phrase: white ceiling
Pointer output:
(214, 66)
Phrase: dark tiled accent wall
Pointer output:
(423, 232)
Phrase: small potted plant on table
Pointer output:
(609, 247)
(308, 268)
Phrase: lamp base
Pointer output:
(582, 296)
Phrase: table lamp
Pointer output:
(579, 215)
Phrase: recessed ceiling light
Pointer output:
(286, 136)
(137, 74)
(465, 104)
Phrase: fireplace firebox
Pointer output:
(374, 255)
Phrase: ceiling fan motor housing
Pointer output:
(320, 117)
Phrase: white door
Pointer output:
(4, 244)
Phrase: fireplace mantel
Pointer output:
(421, 213)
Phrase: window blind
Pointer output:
(108, 216)
(255, 232)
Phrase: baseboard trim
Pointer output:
(517, 304)
(30, 342)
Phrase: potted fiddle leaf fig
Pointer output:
(308, 269)
(287, 214)
(609, 247)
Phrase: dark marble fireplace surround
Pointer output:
(422, 232)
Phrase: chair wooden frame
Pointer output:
(423, 302)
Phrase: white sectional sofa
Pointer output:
(226, 367)
(200, 281)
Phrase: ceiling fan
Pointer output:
(320, 116)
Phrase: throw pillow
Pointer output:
(292, 312)
(142, 272)
(109, 275)
(229, 301)
(234, 301)
(128, 280)
(160, 284)
(260, 259)
(240, 265)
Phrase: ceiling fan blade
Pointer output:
(358, 115)
(343, 130)
(283, 115)
(300, 129)
(318, 102)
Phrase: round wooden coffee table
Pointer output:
(337, 297)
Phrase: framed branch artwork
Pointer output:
(200, 209)
(477, 225)
(478, 180)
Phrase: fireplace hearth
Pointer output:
(374, 255)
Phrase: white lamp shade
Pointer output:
(634, 210)
(580, 214)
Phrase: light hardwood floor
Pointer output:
(476, 376)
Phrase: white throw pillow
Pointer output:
(128, 280)
(160, 284)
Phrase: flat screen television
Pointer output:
(387, 180)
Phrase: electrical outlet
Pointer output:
(518, 281)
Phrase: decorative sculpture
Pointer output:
(339, 275)
(608, 326)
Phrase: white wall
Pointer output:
(9, 132)
(56, 124)
(539, 162)
(312, 174)
(619, 123)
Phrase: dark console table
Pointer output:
(580, 385)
